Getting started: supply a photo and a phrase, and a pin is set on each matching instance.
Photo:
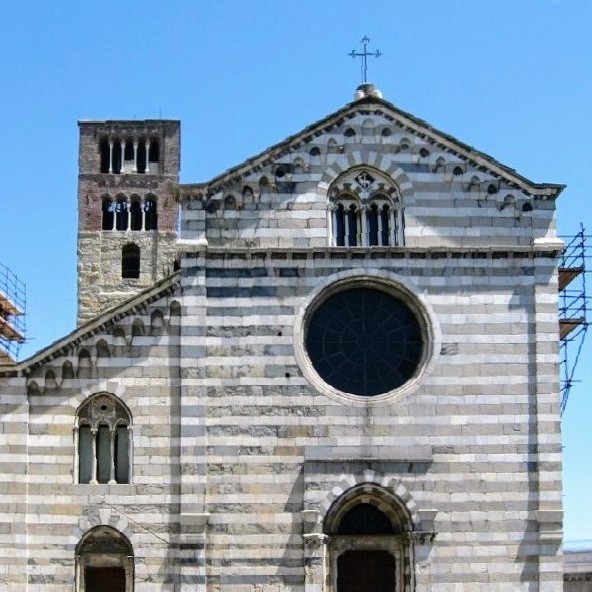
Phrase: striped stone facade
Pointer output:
(244, 463)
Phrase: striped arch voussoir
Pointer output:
(383, 163)
(371, 481)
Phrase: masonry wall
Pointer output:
(466, 443)
(136, 360)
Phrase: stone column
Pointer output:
(135, 169)
(110, 155)
(147, 169)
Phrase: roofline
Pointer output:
(125, 121)
(444, 140)
(93, 326)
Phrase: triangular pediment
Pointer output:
(374, 115)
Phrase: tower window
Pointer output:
(130, 261)
(104, 450)
(141, 162)
(135, 215)
(105, 153)
(107, 214)
(121, 214)
(150, 214)
(154, 152)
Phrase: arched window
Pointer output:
(116, 157)
(108, 211)
(104, 561)
(150, 214)
(154, 152)
(105, 153)
(369, 544)
(121, 214)
(130, 261)
(365, 209)
(103, 427)
(141, 158)
(135, 214)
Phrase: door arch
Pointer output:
(104, 562)
(369, 546)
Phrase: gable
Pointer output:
(448, 192)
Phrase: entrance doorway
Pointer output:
(104, 579)
(366, 571)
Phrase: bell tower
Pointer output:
(128, 174)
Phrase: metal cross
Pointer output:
(364, 55)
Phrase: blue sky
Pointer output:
(511, 77)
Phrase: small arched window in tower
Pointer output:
(104, 451)
(141, 157)
(150, 214)
(108, 210)
(130, 261)
(105, 154)
(121, 214)
(128, 156)
(116, 157)
(154, 152)
(135, 214)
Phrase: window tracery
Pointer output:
(365, 210)
(103, 428)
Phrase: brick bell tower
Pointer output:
(128, 174)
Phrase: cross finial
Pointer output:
(364, 55)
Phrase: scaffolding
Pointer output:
(573, 305)
(13, 300)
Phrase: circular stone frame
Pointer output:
(390, 283)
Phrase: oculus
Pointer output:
(364, 341)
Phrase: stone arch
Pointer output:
(138, 328)
(104, 553)
(385, 163)
(103, 350)
(372, 481)
(68, 370)
(156, 323)
(85, 366)
(50, 381)
(368, 528)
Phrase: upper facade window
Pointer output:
(103, 438)
(129, 155)
(365, 210)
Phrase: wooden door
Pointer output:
(104, 579)
(366, 571)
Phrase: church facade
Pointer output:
(331, 368)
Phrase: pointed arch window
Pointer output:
(103, 426)
(130, 261)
